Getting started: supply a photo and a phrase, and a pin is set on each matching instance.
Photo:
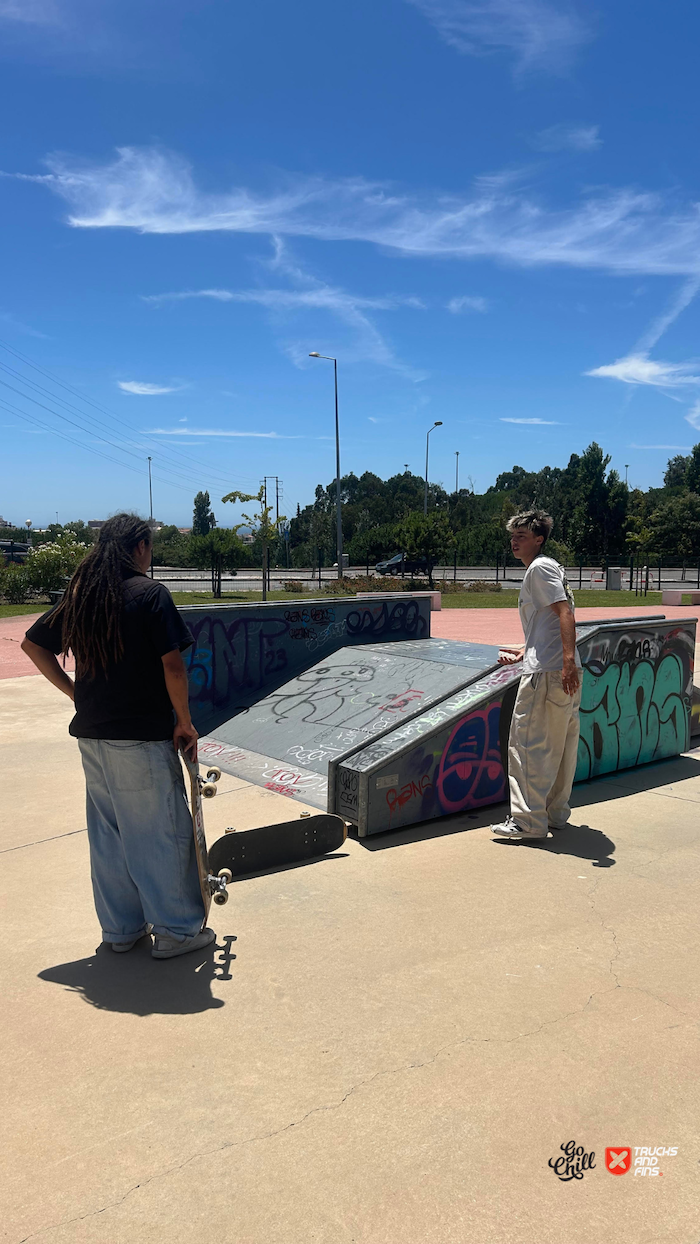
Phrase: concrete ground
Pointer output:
(386, 1046)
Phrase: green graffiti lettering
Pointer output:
(631, 714)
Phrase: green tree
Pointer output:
(203, 519)
(261, 524)
(220, 549)
(692, 473)
(675, 473)
(674, 528)
(427, 535)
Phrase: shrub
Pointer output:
(14, 584)
(49, 565)
(483, 585)
(293, 585)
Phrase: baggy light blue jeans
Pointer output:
(142, 855)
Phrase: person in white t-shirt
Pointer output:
(543, 741)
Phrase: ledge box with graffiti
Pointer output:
(635, 708)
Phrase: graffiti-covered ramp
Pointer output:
(637, 690)
(286, 741)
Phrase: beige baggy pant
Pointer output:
(542, 751)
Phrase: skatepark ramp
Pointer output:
(337, 706)
(243, 652)
(635, 708)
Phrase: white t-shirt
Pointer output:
(544, 583)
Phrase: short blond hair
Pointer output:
(537, 521)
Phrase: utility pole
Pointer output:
(278, 482)
(456, 473)
(150, 498)
(627, 467)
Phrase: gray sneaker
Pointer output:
(510, 829)
(169, 947)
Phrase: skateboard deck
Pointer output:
(273, 846)
(210, 885)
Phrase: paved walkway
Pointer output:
(386, 1046)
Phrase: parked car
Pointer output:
(400, 562)
(13, 551)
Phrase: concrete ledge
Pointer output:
(435, 597)
(676, 598)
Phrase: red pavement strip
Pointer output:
(480, 626)
(13, 662)
(502, 626)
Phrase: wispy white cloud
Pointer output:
(324, 297)
(142, 389)
(270, 436)
(539, 34)
(312, 294)
(620, 231)
(639, 369)
(13, 322)
(683, 448)
(549, 423)
(567, 137)
(678, 303)
(467, 302)
(30, 12)
(693, 415)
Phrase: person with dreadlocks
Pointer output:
(132, 715)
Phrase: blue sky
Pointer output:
(486, 209)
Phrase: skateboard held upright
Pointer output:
(211, 886)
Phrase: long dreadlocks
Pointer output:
(91, 609)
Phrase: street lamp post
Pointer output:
(150, 500)
(627, 467)
(456, 474)
(338, 513)
(437, 424)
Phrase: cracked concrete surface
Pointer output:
(386, 1046)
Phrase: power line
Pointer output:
(164, 454)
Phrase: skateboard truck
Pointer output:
(217, 885)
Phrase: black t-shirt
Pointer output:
(130, 700)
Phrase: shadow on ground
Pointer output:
(136, 984)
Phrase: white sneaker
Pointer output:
(168, 947)
(510, 829)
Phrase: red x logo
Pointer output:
(618, 1160)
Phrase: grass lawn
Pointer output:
(457, 600)
(15, 611)
(450, 600)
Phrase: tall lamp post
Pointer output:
(338, 515)
(456, 474)
(150, 499)
(437, 424)
(627, 467)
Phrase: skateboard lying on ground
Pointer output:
(211, 886)
(273, 846)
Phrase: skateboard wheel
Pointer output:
(208, 790)
(226, 874)
(213, 774)
(221, 898)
